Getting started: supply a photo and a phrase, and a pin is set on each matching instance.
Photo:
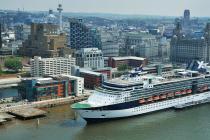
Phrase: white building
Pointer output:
(51, 66)
(90, 58)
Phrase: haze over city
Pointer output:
(134, 7)
(104, 69)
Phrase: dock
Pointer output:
(28, 113)
(30, 110)
(44, 103)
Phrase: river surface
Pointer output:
(61, 124)
(8, 92)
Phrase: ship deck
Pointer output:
(161, 80)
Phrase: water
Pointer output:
(190, 124)
(8, 92)
(60, 124)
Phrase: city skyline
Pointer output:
(130, 7)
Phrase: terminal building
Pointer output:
(51, 66)
(36, 89)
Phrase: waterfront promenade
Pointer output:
(9, 82)
(42, 104)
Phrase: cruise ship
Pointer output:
(139, 93)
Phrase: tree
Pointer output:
(13, 63)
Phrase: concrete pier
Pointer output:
(45, 103)
(28, 113)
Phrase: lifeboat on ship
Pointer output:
(178, 93)
(162, 96)
(156, 98)
(205, 87)
(150, 99)
(141, 101)
(189, 91)
(170, 94)
(184, 92)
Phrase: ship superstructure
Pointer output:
(138, 93)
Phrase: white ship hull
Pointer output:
(94, 115)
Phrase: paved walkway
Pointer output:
(39, 104)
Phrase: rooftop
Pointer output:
(90, 72)
(129, 57)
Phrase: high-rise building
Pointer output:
(187, 14)
(82, 36)
(51, 66)
(90, 58)
(186, 19)
(44, 41)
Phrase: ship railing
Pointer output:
(102, 90)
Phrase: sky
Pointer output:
(134, 7)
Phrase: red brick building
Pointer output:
(131, 61)
(91, 79)
(106, 71)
